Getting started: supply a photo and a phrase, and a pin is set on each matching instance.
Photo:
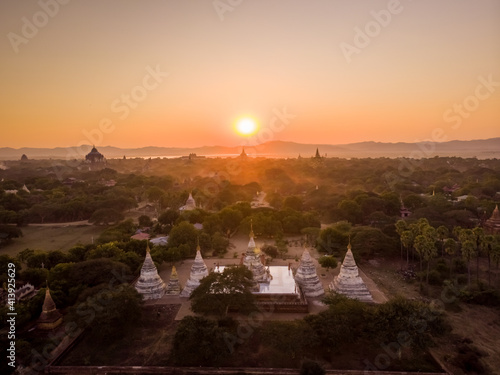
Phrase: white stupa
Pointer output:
(173, 286)
(198, 271)
(190, 204)
(307, 277)
(150, 285)
(348, 282)
(252, 261)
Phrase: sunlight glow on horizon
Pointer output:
(179, 76)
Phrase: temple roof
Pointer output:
(49, 309)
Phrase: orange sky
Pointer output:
(170, 73)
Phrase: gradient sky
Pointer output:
(256, 59)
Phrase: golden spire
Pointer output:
(349, 244)
(251, 229)
(147, 247)
(174, 272)
(198, 244)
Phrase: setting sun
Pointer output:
(246, 126)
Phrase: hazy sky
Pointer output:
(180, 73)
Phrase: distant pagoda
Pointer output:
(307, 278)
(198, 271)
(150, 285)
(173, 286)
(492, 225)
(50, 317)
(190, 204)
(348, 282)
(94, 156)
(317, 156)
(252, 261)
(243, 154)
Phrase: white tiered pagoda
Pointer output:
(173, 286)
(190, 204)
(348, 282)
(307, 277)
(198, 271)
(150, 285)
(252, 261)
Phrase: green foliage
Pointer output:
(293, 339)
(111, 312)
(270, 250)
(105, 216)
(418, 321)
(328, 262)
(220, 291)
(145, 221)
(332, 240)
(184, 234)
(343, 322)
(199, 341)
(118, 232)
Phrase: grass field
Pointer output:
(52, 238)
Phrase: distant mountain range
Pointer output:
(482, 149)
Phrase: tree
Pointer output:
(154, 194)
(168, 217)
(480, 247)
(293, 202)
(105, 216)
(199, 341)
(116, 311)
(328, 261)
(442, 233)
(184, 234)
(401, 227)
(468, 248)
(230, 219)
(218, 292)
(450, 247)
(145, 221)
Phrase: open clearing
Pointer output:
(54, 237)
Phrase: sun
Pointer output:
(246, 126)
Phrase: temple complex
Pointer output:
(94, 156)
(173, 286)
(150, 285)
(190, 204)
(50, 317)
(252, 260)
(198, 271)
(348, 282)
(492, 225)
(307, 278)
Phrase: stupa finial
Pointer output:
(252, 235)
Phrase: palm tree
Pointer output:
(442, 234)
(450, 247)
(468, 246)
(480, 245)
(401, 226)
